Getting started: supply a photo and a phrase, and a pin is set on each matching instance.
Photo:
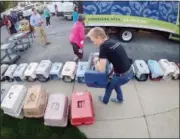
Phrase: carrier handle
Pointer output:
(56, 106)
(82, 67)
(166, 62)
(141, 65)
(80, 104)
(32, 97)
(2, 91)
(57, 67)
(10, 94)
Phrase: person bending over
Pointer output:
(112, 51)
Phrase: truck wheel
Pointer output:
(126, 35)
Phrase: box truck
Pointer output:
(127, 17)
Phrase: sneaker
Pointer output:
(47, 43)
(101, 99)
(47, 27)
(116, 100)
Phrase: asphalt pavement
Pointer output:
(143, 46)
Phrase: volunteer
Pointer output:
(11, 26)
(37, 22)
(77, 37)
(112, 51)
(47, 15)
(75, 15)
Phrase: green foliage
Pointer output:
(6, 5)
(35, 129)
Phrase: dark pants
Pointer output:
(115, 83)
(47, 21)
(77, 50)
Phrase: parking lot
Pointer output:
(143, 46)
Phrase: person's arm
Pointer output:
(102, 61)
(32, 22)
(101, 65)
(9, 24)
(27, 21)
(40, 19)
(82, 34)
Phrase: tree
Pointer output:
(6, 5)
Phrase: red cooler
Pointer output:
(82, 111)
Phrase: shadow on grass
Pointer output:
(12, 128)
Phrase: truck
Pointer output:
(65, 8)
(128, 17)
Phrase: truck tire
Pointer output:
(126, 35)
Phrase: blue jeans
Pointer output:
(115, 83)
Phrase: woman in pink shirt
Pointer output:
(77, 37)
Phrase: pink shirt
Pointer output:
(78, 34)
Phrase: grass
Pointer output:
(12, 128)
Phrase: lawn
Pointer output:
(12, 128)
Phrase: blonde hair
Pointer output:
(97, 32)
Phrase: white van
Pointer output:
(68, 8)
(28, 9)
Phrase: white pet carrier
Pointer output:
(43, 70)
(4, 67)
(55, 72)
(167, 68)
(176, 71)
(30, 73)
(69, 71)
(10, 71)
(13, 102)
(155, 69)
(19, 73)
(82, 66)
(4, 90)
(141, 70)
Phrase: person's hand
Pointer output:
(41, 22)
(82, 42)
(80, 50)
